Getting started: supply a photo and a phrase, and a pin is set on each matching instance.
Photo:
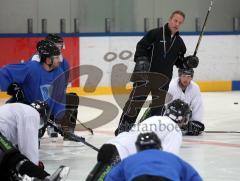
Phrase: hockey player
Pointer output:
(68, 122)
(151, 163)
(44, 81)
(184, 88)
(156, 54)
(33, 80)
(167, 128)
(15, 166)
(59, 42)
(19, 124)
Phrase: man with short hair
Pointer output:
(156, 54)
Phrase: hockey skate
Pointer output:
(60, 174)
(51, 132)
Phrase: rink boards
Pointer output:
(108, 59)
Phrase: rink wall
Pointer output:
(103, 61)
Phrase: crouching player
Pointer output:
(167, 128)
(19, 156)
(152, 163)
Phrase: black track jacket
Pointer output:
(162, 57)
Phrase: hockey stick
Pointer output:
(203, 28)
(222, 131)
(87, 128)
(71, 136)
(145, 115)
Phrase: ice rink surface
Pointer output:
(216, 156)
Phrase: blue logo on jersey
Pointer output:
(46, 91)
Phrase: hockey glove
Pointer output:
(41, 165)
(60, 174)
(142, 66)
(195, 128)
(190, 61)
(16, 91)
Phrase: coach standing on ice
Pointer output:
(156, 53)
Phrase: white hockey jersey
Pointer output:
(192, 96)
(166, 129)
(19, 123)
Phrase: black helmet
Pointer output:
(148, 141)
(47, 48)
(43, 109)
(178, 111)
(55, 38)
(185, 71)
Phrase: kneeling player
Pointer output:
(167, 128)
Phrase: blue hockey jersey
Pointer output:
(63, 64)
(155, 163)
(37, 83)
